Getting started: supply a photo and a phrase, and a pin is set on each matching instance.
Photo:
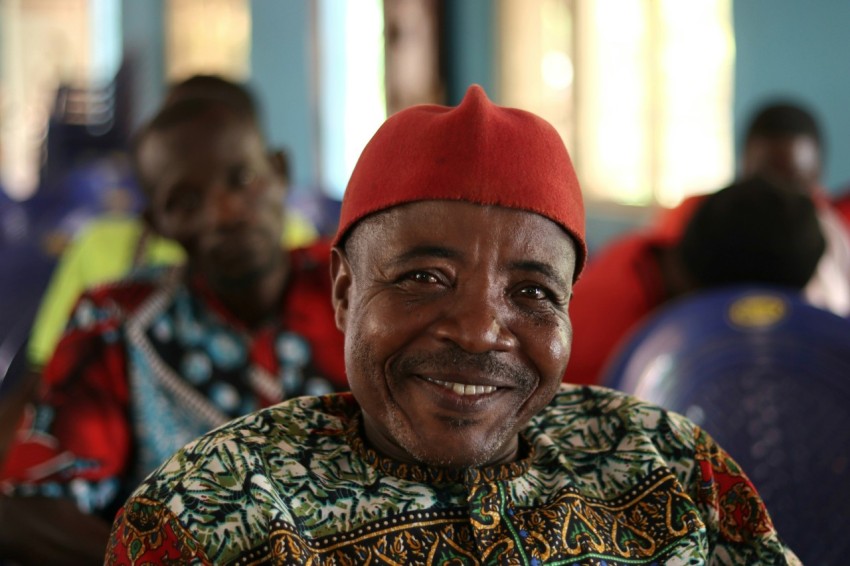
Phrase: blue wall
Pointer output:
(469, 38)
(143, 43)
(797, 49)
(281, 77)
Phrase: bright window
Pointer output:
(536, 55)
(351, 85)
(45, 44)
(641, 90)
(208, 37)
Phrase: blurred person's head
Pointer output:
(783, 143)
(216, 88)
(213, 188)
(237, 95)
(753, 231)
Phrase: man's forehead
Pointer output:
(797, 155)
(194, 139)
(208, 130)
(436, 221)
(441, 210)
(792, 142)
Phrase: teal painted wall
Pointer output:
(797, 49)
(281, 77)
(144, 44)
(469, 43)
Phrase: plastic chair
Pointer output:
(768, 376)
(24, 274)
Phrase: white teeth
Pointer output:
(463, 389)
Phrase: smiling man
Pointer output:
(456, 337)
(460, 238)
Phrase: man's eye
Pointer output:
(423, 277)
(242, 177)
(535, 292)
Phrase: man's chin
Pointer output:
(239, 276)
(240, 272)
(476, 454)
(238, 280)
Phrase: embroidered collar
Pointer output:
(419, 473)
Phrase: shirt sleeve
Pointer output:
(76, 441)
(737, 522)
(145, 532)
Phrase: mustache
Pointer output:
(454, 359)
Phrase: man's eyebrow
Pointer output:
(540, 267)
(423, 251)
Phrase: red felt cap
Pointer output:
(476, 152)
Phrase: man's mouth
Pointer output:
(463, 388)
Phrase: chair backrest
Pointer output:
(768, 376)
(25, 271)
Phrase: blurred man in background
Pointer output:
(642, 270)
(152, 361)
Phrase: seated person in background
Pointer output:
(842, 205)
(152, 361)
(108, 247)
(461, 234)
(752, 231)
(111, 246)
(783, 143)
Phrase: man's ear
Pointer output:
(341, 277)
(280, 163)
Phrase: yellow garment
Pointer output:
(104, 251)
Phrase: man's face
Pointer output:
(213, 190)
(456, 327)
(785, 159)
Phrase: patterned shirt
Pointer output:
(154, 361)
(602, 479)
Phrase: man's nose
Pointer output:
(477, 320)
(229, 206)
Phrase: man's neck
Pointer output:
(675, 277)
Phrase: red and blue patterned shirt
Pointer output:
(149, 363)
